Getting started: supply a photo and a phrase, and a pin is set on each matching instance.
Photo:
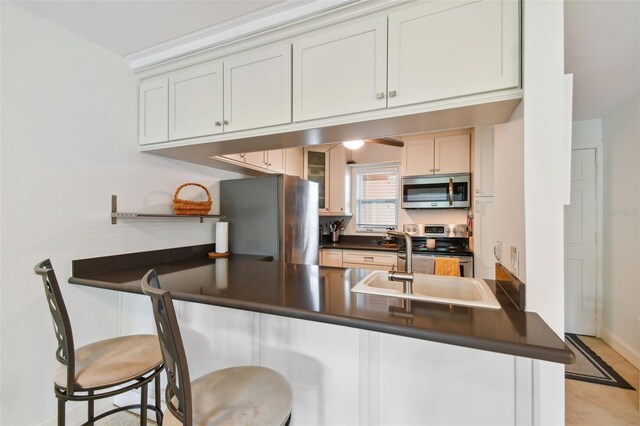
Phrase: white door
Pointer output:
(580, 245)
(452, 154)
(341, 70)
(445, 49)
(257, 89)
(195, 101)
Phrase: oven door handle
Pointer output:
(451, 191)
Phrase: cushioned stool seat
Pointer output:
(238, 396)
(112, 362)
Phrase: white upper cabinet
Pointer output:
(445, 49)
(275, 160)
(154, 111)
(418, 155)
(428, 155)
(337, 178)
(340, 70)
(483, 162)
(257, 89)
(195, 101)
(452, 154)
(255, 159)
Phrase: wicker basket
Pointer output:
(187, 207)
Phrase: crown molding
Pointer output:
(230, 31)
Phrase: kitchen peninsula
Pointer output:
(304, 321)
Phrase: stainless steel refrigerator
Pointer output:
(274, 215)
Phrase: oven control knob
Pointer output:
(446, 230)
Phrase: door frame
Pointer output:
(598, 147)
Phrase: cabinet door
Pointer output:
(316, 168)
(257, 89)
(154, 111)
(275, 160)
(446, 49)
(452, 154)
(195, 101)
(337, 175)
(235, 157)
(483, 161)
(484, 262)
(257, 159)
(417, 156)
(294, 159)
(340, 70)
(331, 257)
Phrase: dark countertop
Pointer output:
(356, 242)
(323, 294)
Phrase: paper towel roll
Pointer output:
(222, 237)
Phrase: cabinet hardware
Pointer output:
(226, 121)
(218, 123)
(380, 95)
(432, 170)
(243, 155)
(368, 259)
(392, 93)
(477, 191)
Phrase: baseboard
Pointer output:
(630, 354)
(76, 412)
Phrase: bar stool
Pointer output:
(102, 369)
(247, 395)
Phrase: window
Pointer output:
(376, 197)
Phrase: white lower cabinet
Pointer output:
(379, 260)
(331, 257)
(320, 361)
(483, 237)
(428, 383)
(216, 337)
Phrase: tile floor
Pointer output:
(588, 404)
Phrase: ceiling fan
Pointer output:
(358, 143)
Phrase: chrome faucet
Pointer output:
(407, 276)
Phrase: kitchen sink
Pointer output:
(472, 292)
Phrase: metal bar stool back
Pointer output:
(237, 395)
(101, 369)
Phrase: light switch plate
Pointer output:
(515, 259)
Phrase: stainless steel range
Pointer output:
(440, 240)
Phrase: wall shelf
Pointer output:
(115, 214)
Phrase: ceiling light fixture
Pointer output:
(356, 144)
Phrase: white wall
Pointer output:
(544, 169)
(509, 191)
(69, 141)
(621, 226)
(586, 132)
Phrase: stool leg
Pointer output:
(90, 413)
(61, 412)
(158, 399)
(143, 405)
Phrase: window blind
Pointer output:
(376, 198)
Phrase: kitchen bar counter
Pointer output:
(322, 294)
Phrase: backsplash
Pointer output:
(404, 216)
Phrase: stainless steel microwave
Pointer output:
(436, 192)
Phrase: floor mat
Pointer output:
(589, 367)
